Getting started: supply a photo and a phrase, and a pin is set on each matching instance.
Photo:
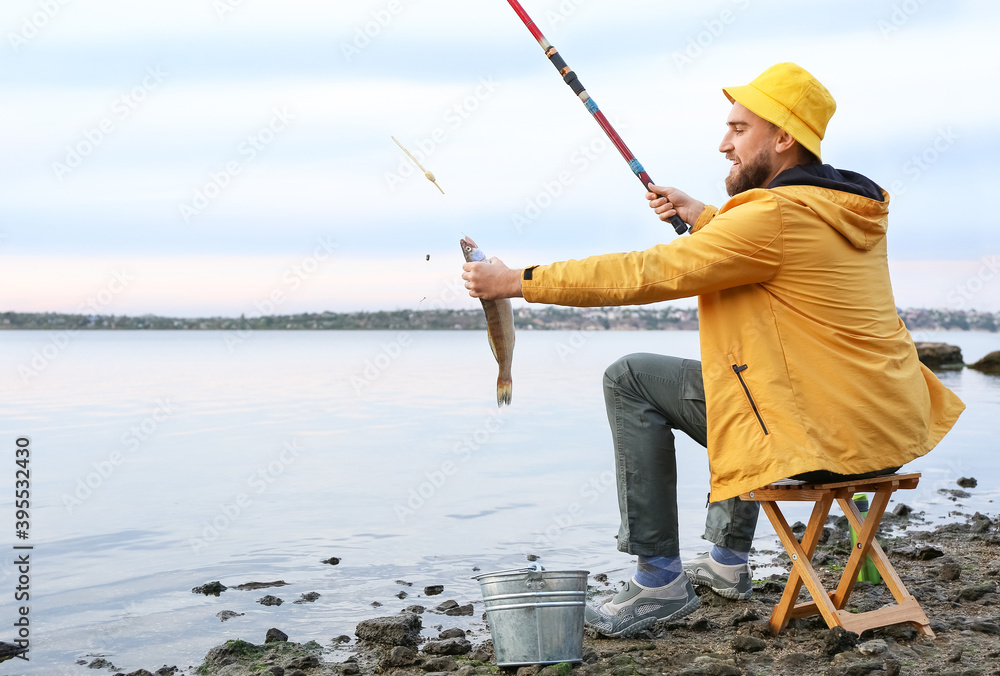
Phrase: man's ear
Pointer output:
(783, 141)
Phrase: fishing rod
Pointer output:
(570, 78)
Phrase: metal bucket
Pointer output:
(535, 616)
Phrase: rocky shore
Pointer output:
(951, 569)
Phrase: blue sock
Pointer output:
(729, 557)
(658, 571)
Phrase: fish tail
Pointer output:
(504, 388)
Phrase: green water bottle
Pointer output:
(868, 572)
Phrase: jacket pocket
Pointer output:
(738, 370)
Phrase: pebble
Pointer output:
(928, 553)
(976, 592)
(968, 482)
(449, 646)
(269, 601)
(902, 510)
(748, 644)
(401, 630)
(333, 561)
(308, 597)
(838, 640)
(874, 647)
(214, 588)
(434, 589)
(228, 615)
(400, 656)
(950, 571)
(275, 635)
(454, 632)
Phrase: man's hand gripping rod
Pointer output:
(570, 78)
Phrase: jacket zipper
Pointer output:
(738, 370)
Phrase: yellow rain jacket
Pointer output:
(807, 365)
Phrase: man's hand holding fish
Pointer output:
(491, 280)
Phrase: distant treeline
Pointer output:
(540, 318)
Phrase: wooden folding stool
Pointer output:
(830, 604)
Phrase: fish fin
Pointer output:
(504, 388)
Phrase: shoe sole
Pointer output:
(635, 628)
(725, 592)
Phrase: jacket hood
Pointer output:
(852, 204)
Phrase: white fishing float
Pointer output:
(429, 175)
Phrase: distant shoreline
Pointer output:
(544, 318)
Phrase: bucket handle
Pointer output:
(535, 579)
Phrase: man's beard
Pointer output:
(750, 175)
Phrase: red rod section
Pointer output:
(570, 78)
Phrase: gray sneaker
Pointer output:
(635, 607)
(731, 582)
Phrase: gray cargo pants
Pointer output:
(647, 397)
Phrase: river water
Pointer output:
(164, 460)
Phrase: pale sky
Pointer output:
(209, 157)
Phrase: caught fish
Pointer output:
(499, 327)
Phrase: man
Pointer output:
(806, 368)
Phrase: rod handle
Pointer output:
(680, 227)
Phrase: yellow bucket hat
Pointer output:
(789, 96)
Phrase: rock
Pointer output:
(939, 355)
(892, 667)
(703, 624)
(400, 656)
(601, 577)
(213, 588)
(308, 597)
(450, 646)
(744, 615)
(950, 571)
(901, 633)
(981, 524)
(532, 557)
(988, 364)
(347, 668)
(165, 671)
(838, 640)
(445, 606)
(275, 635)
(984, 626)
(303, 662)
(956, 655)
(458, 611)
(276, 671)
(798, 527)
(401, 630)
(414, 609)
(333, 561)
(343, 638)
(928, 553)
(954, 493)
(976, 592)
(251, 586)
(401, 595)
(269, 601)
(444, 663)
(228, 615)
(748, 644)
(860, 669)
(376, 604)
(100, 663)
(874, 647)
(969, 482)
(454, 632)
(902, 510)
(140, 672)
(434, 589)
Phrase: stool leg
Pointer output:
(782, 611)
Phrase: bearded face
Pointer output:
(748, 173)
